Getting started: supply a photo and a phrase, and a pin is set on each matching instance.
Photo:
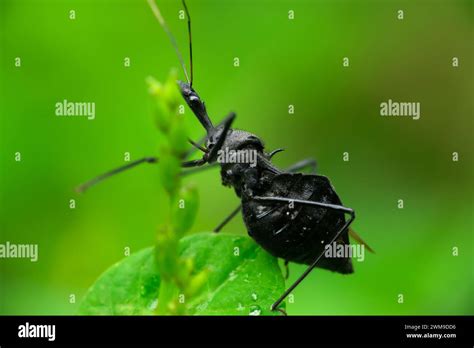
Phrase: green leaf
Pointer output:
(242, 279)
(128, 287)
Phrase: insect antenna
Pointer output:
(156, 11)
(190, 42)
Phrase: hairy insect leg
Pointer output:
(308, 162)
(315, 262)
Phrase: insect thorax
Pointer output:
(239, 160)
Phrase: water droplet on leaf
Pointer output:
(255, 310)
(232, 276)
(153, 304)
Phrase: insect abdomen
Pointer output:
(297, 233)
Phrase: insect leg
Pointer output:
(199, 169)
(83, 187)
(228, 218)
(308, 162)
(193, 163)
(213, 152)
(313, 265)
(204, 138)
(287, 269)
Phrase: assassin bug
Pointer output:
(291, 215)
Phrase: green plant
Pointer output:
(204, 273)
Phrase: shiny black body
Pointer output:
(293, 232)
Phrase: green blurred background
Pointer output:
(282, 62)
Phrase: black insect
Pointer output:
(291, 215)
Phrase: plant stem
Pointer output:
(167, 293)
